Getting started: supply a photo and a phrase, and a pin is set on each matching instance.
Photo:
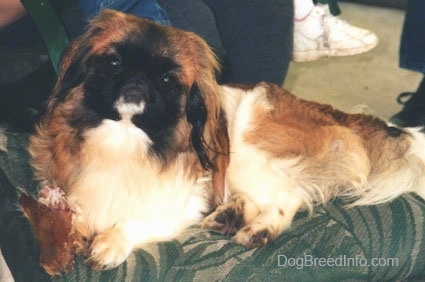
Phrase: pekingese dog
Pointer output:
(144, 143)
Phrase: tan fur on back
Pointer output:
(323, 152)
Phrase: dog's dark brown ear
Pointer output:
(209, 139)
(72, 70)
(196, 114)
(204, 109)
(108, 26)
(221, 159)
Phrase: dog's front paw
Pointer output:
(109, 249)
(232, 216)
(253, 236)
(225, 220)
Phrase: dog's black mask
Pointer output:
(127, 77)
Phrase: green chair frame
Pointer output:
(50, 27)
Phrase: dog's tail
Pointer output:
(395, 176)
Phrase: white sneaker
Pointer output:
(321, 34)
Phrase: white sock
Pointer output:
(302, 9)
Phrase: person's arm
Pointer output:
(10, 11)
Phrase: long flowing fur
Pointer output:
(288, 154)
(328, 153)
(140, 162)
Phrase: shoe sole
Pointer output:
(307, 56)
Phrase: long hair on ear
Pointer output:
(108, 26)
(53, 132)
(196, 114)
(209, 134)
(72, 71)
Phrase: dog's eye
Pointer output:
(166, 78)
(112, 63)
(115, 61)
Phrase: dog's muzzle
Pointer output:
(127, 108)
(132, 101)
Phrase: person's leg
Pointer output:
(333, 6)
(319, 33)
(302, 8)
(257, 36)
(412, 57)
(197, 17)
(413, 112)
(412, 46)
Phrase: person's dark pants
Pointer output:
(412, 57)
(412, 47)
(252, 38)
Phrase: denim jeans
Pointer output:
(412, 46)
(143, 8)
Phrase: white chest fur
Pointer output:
(121, 183)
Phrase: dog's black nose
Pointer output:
(133, 94)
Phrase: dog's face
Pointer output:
(131, 80)
(160, 79)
